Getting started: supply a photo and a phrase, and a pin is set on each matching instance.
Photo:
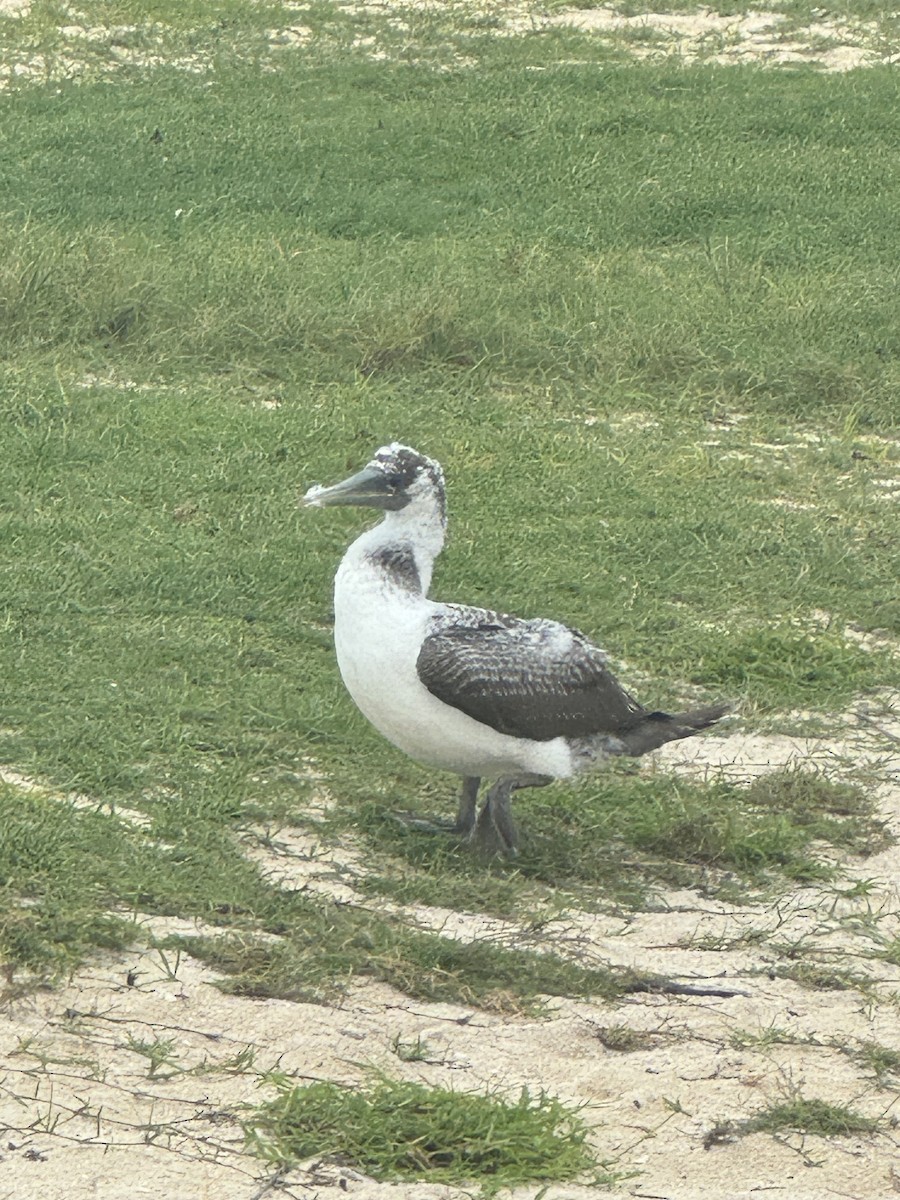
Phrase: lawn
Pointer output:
(646, 318)
(645, 314)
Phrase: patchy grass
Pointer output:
(800, 13)
(821, 977)
(814, 1117)
(417, 1051)
(622, 832)
(160, 1053)
(839, 813)
(888, 951)
(70, 877)
(882, 1061)
(396, 1130)
(623, 1040)
(764, 1039)
(666, 401)
(645, 315)
(52, 42)
(485, 973)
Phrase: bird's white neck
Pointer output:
(405, 543)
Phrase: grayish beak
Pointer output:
(368, 488)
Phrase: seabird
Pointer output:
(485, 695)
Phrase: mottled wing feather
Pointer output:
(530, 679)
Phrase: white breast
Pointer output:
(379, 629)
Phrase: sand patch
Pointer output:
(767, 38)
(713, 37)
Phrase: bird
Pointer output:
(517, 702)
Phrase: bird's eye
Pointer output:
(395, 480)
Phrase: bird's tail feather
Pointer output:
(656, 728)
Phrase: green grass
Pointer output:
(765, 1038)
(889, 951)
(396, 1130)
(73, 881)
(317, 956)
(644, 315)
(621, 1039)
(882, 1061)
(53, 41)
(624, 832)
(820, 977)
(798, 12)
(798, 1114)
(816, 1117)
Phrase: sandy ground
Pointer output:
(760, 37)
(85, 1116)
(766, 38)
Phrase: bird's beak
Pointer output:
(368, 488)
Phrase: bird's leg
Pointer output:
(465, 813)
(495, 830)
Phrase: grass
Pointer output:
(622, 1039)
(396, 1130)
(882, 1061)
(309, 965)
(417, 1051)
(74, 881)
(889, 951)
(798, 12)
(816, 1117)
(765, 1038)
(798, 1114)
(625, 832)
(647, 322)
(820, 977)
(159, 1053)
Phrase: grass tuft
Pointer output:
(883, 1061)
(840, 813)
(623, 1039)
(397, 1130)
(313, 963)
(819, 977)
(816, 1117)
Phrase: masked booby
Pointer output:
(479, 693)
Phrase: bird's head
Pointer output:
(396, 478)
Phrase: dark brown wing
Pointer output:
(530, 679)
